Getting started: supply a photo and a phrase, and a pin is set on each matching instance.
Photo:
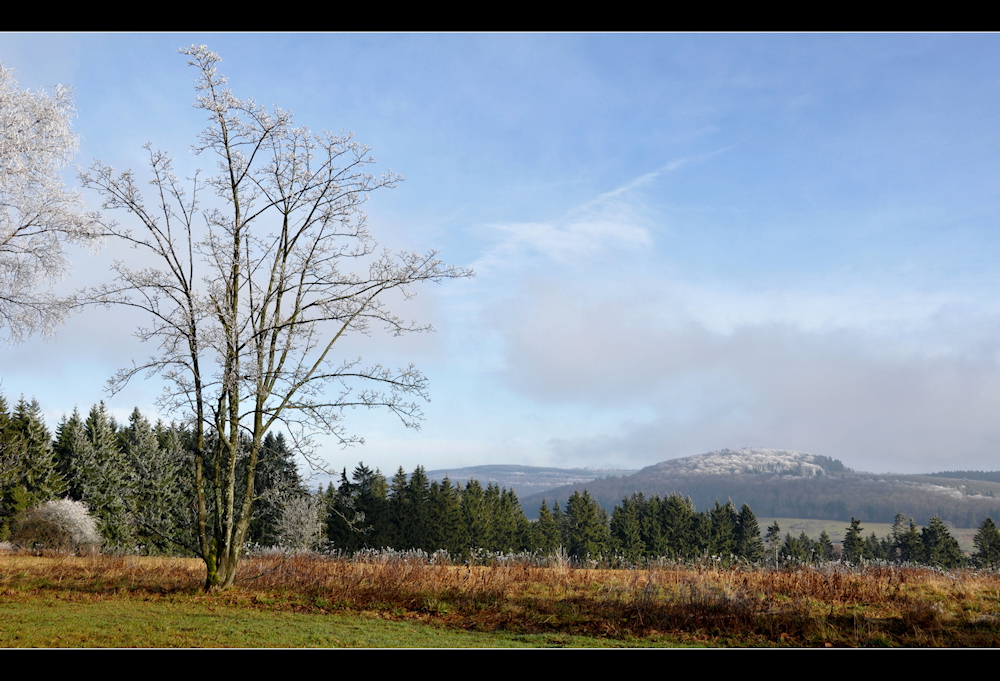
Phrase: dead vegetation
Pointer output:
(821, 606)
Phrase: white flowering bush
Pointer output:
(63, 525)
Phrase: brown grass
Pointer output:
(827, 606)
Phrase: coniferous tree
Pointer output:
(476, 512)
(512, 531)
(749, 545)
(909, 547)
(546, 530)
(987, 543)
(159, 487)
(654, 526)
(416, 518)
(559, 518)
(29, 473)
(853, 542)
(398, 508)
(824, 546)
(723, 527)
(626, 529)
(276, 483)
(586, 526)
(773, 537)
(447, 525)
(99, 475)
(339, 504)
(680, 528)
(874, 549)
(939, 547)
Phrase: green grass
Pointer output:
(63, 620)
(314, 601)
(838, 528)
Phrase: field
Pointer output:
(394, 601)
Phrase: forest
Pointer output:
(136, 481)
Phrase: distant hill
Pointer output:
(782, 483)
(526, 480)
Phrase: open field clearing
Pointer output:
(307, 601)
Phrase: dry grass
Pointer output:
(831, 606)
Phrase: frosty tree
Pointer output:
(37, 212)
(262, 268)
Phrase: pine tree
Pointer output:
(398, 508)
(161, 486)
(626, 528)
(339, 504)
(853, 542)
(824, 546)
(276, 483)
(99, 475)
(29, 472)
(546, 531)
(909, 548)
(987, 543)
(722, 535)
(773, 540)
(749, 545)
(446, 524)
(679, 522)
(587, 526)
(415, 504)
(476, 513)
(510, 523)
(372, 519)
(654, 525)
(939, 547)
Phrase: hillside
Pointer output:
(526, 480)
(785, 483)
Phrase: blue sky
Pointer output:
(682, 242)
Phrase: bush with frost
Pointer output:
(62, 524)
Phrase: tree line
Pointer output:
(136, 480)
(134, 477)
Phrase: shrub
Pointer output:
(63, 525)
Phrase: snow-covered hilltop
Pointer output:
(743, 462)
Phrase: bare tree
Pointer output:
(37, 212)
(254, 289)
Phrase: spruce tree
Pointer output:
(446, 524)
(749, 545)
(160, 487)
(99, 475)
(626, 528)
(29, 472)
(987, 543)
(476, 514)
(853, 542)
(939, 547)
(419, 495)
(276, 483)
(546, 531)
(723, 532)
(586, 526)
(679, 522)
(824, 546)
(340, 511)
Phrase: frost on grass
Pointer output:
(63, 525)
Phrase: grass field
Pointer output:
(310, 601)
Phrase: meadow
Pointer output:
(400, 600)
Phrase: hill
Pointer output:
(783, 483)
(526, 480)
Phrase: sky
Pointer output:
(682, 242)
